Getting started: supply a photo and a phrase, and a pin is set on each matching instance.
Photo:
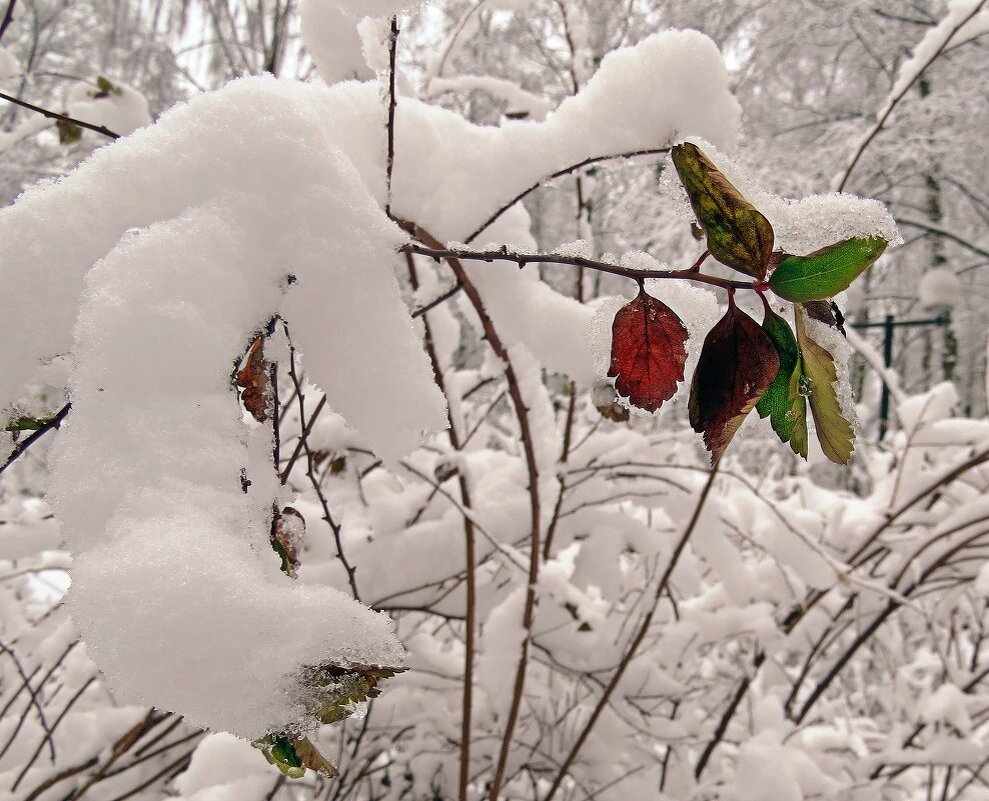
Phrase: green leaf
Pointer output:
(834, 432)
(826, 272)
(105, 88)
(24, 424)
(738, 235)
(292, 756)
(782, 403)
(68, 132)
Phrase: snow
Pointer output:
(333, 42)
(120, 108)
(939, 287)
(947, 703)
(224, 768)
(376, 8)
(458, 174)
(190, 260)
(950, 30)
(519, 101)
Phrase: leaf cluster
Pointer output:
(743, 365)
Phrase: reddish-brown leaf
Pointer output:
(287, 532)
(738, 363)
(253, 379)
(647, 352)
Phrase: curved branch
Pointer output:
(637, 639)
(658, 151)
(525, 432)
(895, 100)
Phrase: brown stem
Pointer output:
(637, 639)
(392, 102)
(525, 431)
(311, 470)
(54, 115)
(470, 557)
(656, 151)
(22, 446)
(435, 250)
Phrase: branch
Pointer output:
(48, 425)
(437, 251)
(525, 432)
(54, 115)
(390, 164)
(639, 636)
(8, 17)
(658, 151)
(895, 100)
(946, 234)
(470, 555)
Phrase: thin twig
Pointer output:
(525, 432)
(8, 17)
(437, 251)
(894, 102)
(637, 639)
(470, 555)
(41, 745)
(658, 151)
(392, 102)
(310, 470)
(48, 425)
(437, 301)
(54, 115)
(33, 702)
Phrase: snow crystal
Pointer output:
(939, 287)
(580, 249)
(639, 260)
(114, 105)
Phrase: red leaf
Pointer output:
(738, 363)
(253, 379)
(647, 352)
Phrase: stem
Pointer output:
(638, 638)
(8, 17)
(21, 447)
(435, 250)
(54, 115)
(525, 431)
(656, 151)
(470, 557)
(392, 49)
